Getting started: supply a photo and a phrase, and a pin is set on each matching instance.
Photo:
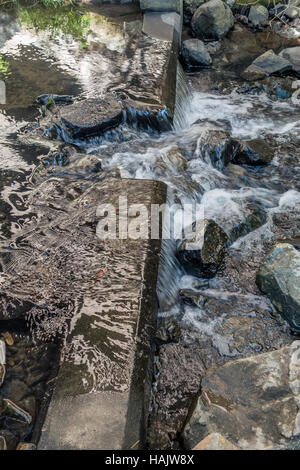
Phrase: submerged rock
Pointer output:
(89, 118)
(266, 64)
(254, 152)
(212, 20)
(215, 442)
(252, 402)
(279, 278)
(203, 254)
(292, 54)
(258, 14)
(194, 52)
(217, 148)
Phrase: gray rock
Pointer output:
(217, 148)
(254, 152)
(252, 402)
(258, 14)
(212, 20)
(267, 64)
(195, 52)
(204, 253)
(279, 278)
(292, 54)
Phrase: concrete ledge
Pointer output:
(101, 399)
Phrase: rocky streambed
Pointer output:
(228, 317)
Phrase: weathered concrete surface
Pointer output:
(252, 402)
(101, 398)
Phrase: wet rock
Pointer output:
(279, 278)
(267, 64)
(216, 327)
(292, 12)
(177, 160)
(189, 8)
(236, 325)
(258, 14)
(203, 254)
(215, 442)
(26, 446)
(254, 152)
(89, 118)
(212, 20)
(194, 52)
(233, 397)
(48, 100)
(168, 332)
(292, 54)
(217, 148)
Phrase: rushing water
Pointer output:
(85, 57)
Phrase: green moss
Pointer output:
(55, 19)
(4, 68)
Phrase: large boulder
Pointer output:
(252, 402)
(258, 14)
(194, 52)
(279, 278)
(267, 64)
(203, 254)
(212, 20)
(292, 54)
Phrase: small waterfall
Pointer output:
(183, 100)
